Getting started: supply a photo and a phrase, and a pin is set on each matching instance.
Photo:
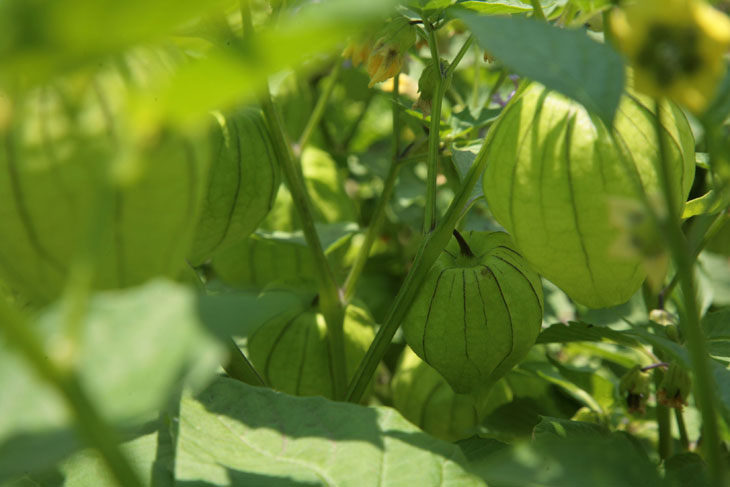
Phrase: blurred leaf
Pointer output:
(241, 313)
(567, 61)
(718, 111)
(580, 455)
(39, 39)
(717, 269)
(233, 429)
(463, 158)
(686, 470)
(227, 75)
(136, 347)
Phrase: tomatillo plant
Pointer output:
(396, 242)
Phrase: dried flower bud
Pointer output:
(675, 387)
(386, 57)
(634, 386)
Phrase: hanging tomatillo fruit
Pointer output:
(478, 311)
(558, 180)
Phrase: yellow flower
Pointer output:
(676, 48)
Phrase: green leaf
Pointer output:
(224, 312)
(567, 61)
(686, 470)
(577, 331)
(496, 7)
(568, 453)
(232, 430)
(136, 346)
(463, 158)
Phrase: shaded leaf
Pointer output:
(135, 348)
(232, 426)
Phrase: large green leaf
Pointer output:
(135, 347)
(233, 432)
(565, 454)
(567, 61)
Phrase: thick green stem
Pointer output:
(537, 10)
(318, 112)
(330, 301)
(429, 219)
(690, 319)
(428, 252)
(239, 367)
(379, 214)
(88, 420)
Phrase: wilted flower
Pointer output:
(676, 48)
(675, 387)
(634, 386)
(386, 56)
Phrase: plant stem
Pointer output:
(379, 213)
(239, 367)
(318, 112)
(459, 56)
(717, 223)
(683, 438)
(664, 424)
(88, 420)
(429, 220)
(330, 301)
(690, 324)
(537, 10)
(329, 294)
(431, 247)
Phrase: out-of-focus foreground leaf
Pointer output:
(134, 348)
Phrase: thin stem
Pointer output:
(330, 301)
(717, 223)
(379, 213)
(682, 428)
(537, 10)
(429, 220)
(239, 367)
(428, 252)
(459, 56)
(318, 112)
(88, 420)
(690, 324)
